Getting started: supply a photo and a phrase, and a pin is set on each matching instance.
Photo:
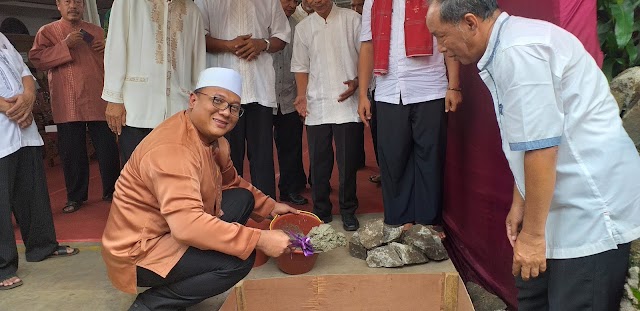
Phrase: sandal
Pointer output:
(63, 251)
(14, 285)
(71, 207)
(376, 179)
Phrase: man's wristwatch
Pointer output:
(268, 44)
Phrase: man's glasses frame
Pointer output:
(221, 104)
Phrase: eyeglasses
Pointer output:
(221, 104)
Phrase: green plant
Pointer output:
(619, 33)
(636, 294)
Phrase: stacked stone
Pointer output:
(630, 301)
(388, 246)
(626, 89)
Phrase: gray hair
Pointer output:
(453, 11)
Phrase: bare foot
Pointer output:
(440, 231)
(407, 226)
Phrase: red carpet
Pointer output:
(87, 224)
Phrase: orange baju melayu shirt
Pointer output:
(167, 199)
(76, 76)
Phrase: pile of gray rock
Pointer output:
(388, 246)
(630, 300)
(483, 300)
(626, 89)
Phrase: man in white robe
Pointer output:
(325, 62)
(241, 35)
(143, 89)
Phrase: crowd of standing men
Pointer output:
(294, 72)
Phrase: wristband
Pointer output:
(268, 44)
(457, 89)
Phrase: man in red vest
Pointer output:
(415, 88)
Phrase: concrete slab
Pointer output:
(80, 282)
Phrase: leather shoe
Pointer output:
(294, 198)
(326, 219)
(350, 222)
(71, 207)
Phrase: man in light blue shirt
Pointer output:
(576, 205)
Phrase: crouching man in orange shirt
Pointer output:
(177, 219)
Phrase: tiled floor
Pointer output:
(80, 283)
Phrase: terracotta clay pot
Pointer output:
(296, 262)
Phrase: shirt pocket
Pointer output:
(136, 79)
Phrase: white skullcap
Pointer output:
(221, 77)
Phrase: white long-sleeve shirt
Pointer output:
(154, 54)
(263, 19)
(328, 52)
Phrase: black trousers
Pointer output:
(373, 125)
(23, 192)
(72, 146)
(129, 139)
(287, 133)
(321, 155)
(360, 143)
(591, 283)
(255, 128)
(411, 148)
(199, 274)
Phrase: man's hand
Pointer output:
(250, 49)
(4, 105)
(273, 243)
(529, 256)
(234, 45)
(281, 209)
(21, 107)
(98, 46)
(452, 100)
(514, 222)
(73, 39)
(116, 116)
(26, 123)
(301, 105)
(352, 85)
(364, 110)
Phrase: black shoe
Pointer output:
(326, 219)
(138, 306)
(294, 198)
(350, 222)
(71, 207)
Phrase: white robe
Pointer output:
(154, 54)
(263, 19)
(12, 71)
(328, 51)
